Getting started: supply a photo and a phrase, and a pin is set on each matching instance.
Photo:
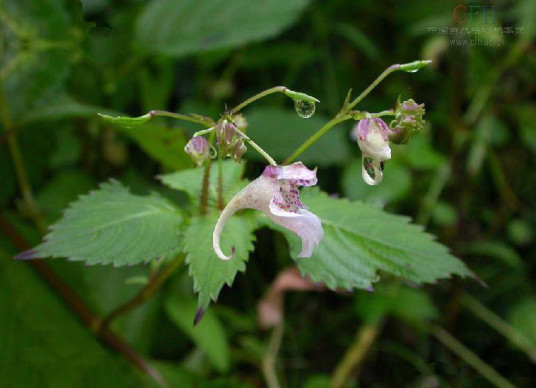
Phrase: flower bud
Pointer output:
(408, 120)
(199, 150)
(238, 150)
(230, 141)
(226, 135)
(240, 122)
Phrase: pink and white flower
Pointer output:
(372, 136)
(275, 193)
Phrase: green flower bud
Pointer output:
(408, 121)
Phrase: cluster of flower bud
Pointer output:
(229, 139)
(408, 121)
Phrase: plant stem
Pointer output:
(206, 122)
(73, 301)
(343, 115)
(469, 357)
(152, 286)
(20, 169)
(354, 356)
(317, 135)
(221, 202)
(270, 358)
(374, 83)
(203, 132)
(275, 89)
(203, 198)
(257, 147)
(442, 175)
(513, 335)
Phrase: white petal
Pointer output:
(256, 195)
(377, 171)
(303, 223)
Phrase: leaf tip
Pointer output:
(199, 315)
(27, 255)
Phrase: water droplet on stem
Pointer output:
(304, 109)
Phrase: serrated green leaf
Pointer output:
(113, 226)
(361, 240)
(179, 28)
(190, 180)
(209, 272)
(209, 334)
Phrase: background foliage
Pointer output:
(469, 179)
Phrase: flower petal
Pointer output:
(303, 223)
(373, 177)
(298, 174)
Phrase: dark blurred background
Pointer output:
(469, 178)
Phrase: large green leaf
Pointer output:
(361, 240)
(43, 345)
(208, 271)
(111, 225)
(281, 131)
(190, 180)
(178, 28)
(209, 334)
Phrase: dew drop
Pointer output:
(304, 109)
(413, 71)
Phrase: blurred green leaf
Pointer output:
(527, 126)
(522, 316)
(43, 344)
(179, 28)
(419, 153)
(190, 180)
(359, 39)
(209, 334)
(403, 302)
(113, 226)
(395, 185)
(36, 62)
(281, 131)
(494, 249)
(62, 107)
(209, 272)
(361, 240)
(163, 144)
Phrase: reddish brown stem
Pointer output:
(73, 301)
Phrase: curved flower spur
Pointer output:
(275, 193)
